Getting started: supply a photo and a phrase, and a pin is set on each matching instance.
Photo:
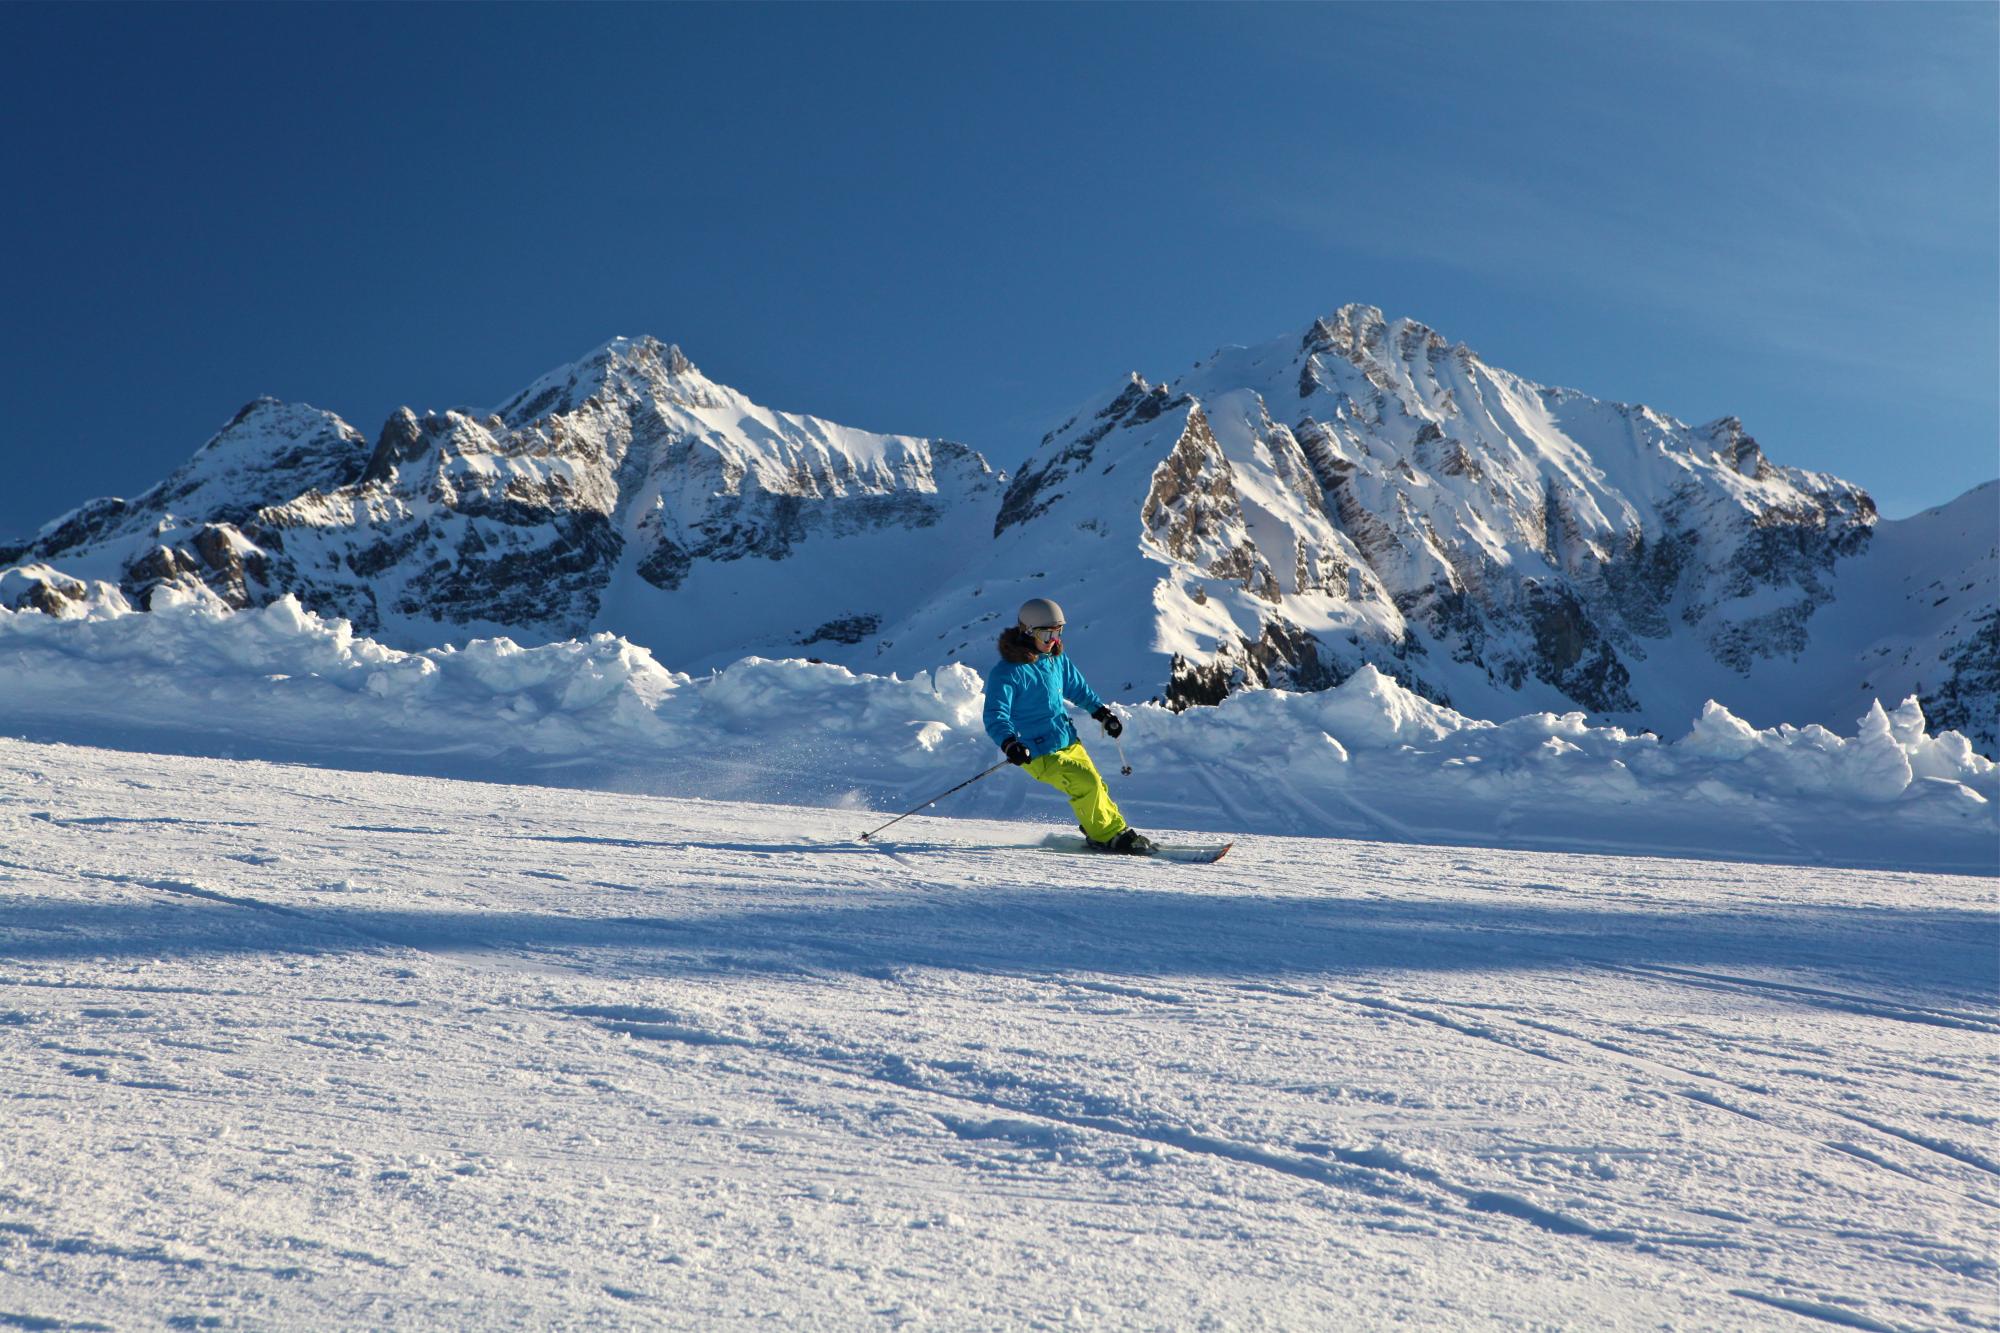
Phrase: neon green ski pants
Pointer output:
(1070, 772)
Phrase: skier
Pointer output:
(1026, 719)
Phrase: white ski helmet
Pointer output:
(1040, 613)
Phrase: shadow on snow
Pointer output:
(1942, 955)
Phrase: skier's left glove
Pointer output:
(1112, 726)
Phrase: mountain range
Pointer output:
(1362, 492)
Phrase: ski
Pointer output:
(1186, 853)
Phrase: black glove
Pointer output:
(1016, 752)
(1112, 726)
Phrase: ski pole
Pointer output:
(1124, 766)
(935, 799)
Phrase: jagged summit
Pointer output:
(635, 367)
(1349, 329)
(1362, 333)
(644, 355)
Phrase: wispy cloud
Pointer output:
(1754, 280)
(1819, 182)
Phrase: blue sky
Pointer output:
(960, 220)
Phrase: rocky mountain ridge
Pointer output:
(1366, 492)
(618, 475)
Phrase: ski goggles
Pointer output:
(1047, 631)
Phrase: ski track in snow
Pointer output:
(283, 1046)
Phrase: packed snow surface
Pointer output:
(285, 1047)
(1367, 759)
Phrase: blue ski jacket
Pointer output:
(1025, 692)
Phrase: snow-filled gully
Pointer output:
(283, 1046)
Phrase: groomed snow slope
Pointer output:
(287, 1048)
(1365, 759)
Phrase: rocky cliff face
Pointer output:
(1578, 533)
(1525, 537)
(459, 521)
(1369, 492)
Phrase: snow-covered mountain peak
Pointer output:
(1372, 484)
(1073, 459)
(1365, 492)
(1363, 335)
(1352, 331)
(634, 369)
(644, 357)
(269, 452)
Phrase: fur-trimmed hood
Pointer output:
(1017, 645)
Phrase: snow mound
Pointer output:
(1367, 757)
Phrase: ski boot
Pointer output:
(1128, 840)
